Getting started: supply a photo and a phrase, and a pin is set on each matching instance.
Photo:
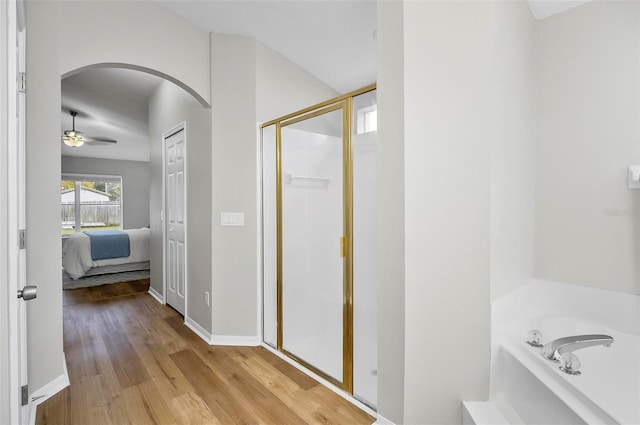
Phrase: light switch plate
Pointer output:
(231, 219)
(634, 177)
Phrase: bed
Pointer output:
(90, 253)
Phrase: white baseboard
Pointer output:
(241, 341)
(383, 421)
(44, 393)
(199, 330)
(155, 294)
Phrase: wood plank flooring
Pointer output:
(132, 361)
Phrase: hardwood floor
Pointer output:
(132, 361)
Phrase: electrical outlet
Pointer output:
(206, 298)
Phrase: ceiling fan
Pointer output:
(76, 138)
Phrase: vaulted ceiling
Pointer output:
(334, 40)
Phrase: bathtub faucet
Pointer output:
(554, 349)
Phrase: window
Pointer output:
(90, 203)
(367, 119)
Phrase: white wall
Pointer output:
(169, 106)
(513, 148)
(588, 108)
(457, 78)
(135, 184)
(391, 212)
(279, 84)
(146, 34)
(447, 58)
(54, 48)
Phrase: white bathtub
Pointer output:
(607, 391)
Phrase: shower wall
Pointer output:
(365, 276)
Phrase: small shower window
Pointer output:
(367, 120)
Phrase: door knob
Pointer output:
(27, 293)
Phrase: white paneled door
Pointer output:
(12, 201)
(175, 218)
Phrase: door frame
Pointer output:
(182, 126)
(346, 242)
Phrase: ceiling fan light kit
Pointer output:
(72, 137)
(75, 138)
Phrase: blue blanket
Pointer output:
(109, 244)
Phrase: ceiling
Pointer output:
(111, 103)
(334, 40)
(544, 8)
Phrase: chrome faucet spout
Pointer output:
(554, 349)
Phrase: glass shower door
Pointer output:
(312, 165)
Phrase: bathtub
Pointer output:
(607, 391)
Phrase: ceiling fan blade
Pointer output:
(96, 140)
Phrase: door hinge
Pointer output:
(25, 394)
(22, 82)
(22, 238)
(343, 246)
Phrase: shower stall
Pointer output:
(319, 240)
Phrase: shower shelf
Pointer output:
(289, 178)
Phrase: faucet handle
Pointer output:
(534, 338)
(570, 363)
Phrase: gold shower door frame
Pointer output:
(343, 103)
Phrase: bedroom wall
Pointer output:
(53, 47)
(588, 104)
(168, 107)
(135, 184)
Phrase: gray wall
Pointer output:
(282, 87)
(48, 57)
(235, 265)
(587, 220)
(135, 184)
(168, 107)
(391, 209)
(250, 83)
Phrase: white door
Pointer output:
(175, 218)
(15, 214)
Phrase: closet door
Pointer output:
(175, 220)
(313, 244)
